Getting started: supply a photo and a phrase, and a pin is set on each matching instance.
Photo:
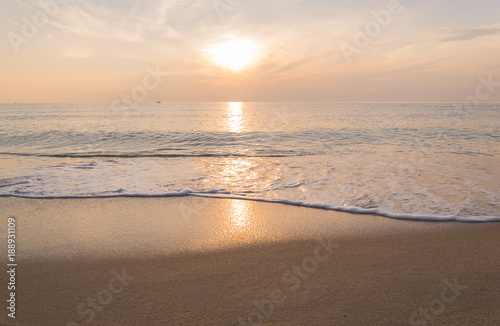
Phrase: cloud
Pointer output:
(466, 34)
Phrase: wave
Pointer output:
(14, 183)
(140, 155)
(216, 193)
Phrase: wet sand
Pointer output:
(199, 261)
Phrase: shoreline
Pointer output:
(352, 210)
(183, 224)
(204, 261)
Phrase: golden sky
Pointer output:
(248, 50)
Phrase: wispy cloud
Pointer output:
(298, 41)
(91, 21)
(466, 34)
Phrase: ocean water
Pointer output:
(432, 161)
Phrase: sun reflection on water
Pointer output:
(237, 170)
(234, 121)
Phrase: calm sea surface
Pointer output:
(421, 161)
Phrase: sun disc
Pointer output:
(235, 55)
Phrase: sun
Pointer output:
(235, 54)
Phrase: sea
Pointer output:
(419, 161)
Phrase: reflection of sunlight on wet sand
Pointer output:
(239, 215)
(234, 122)
(235, 170)
(239, 219)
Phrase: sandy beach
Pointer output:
(199, 261)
